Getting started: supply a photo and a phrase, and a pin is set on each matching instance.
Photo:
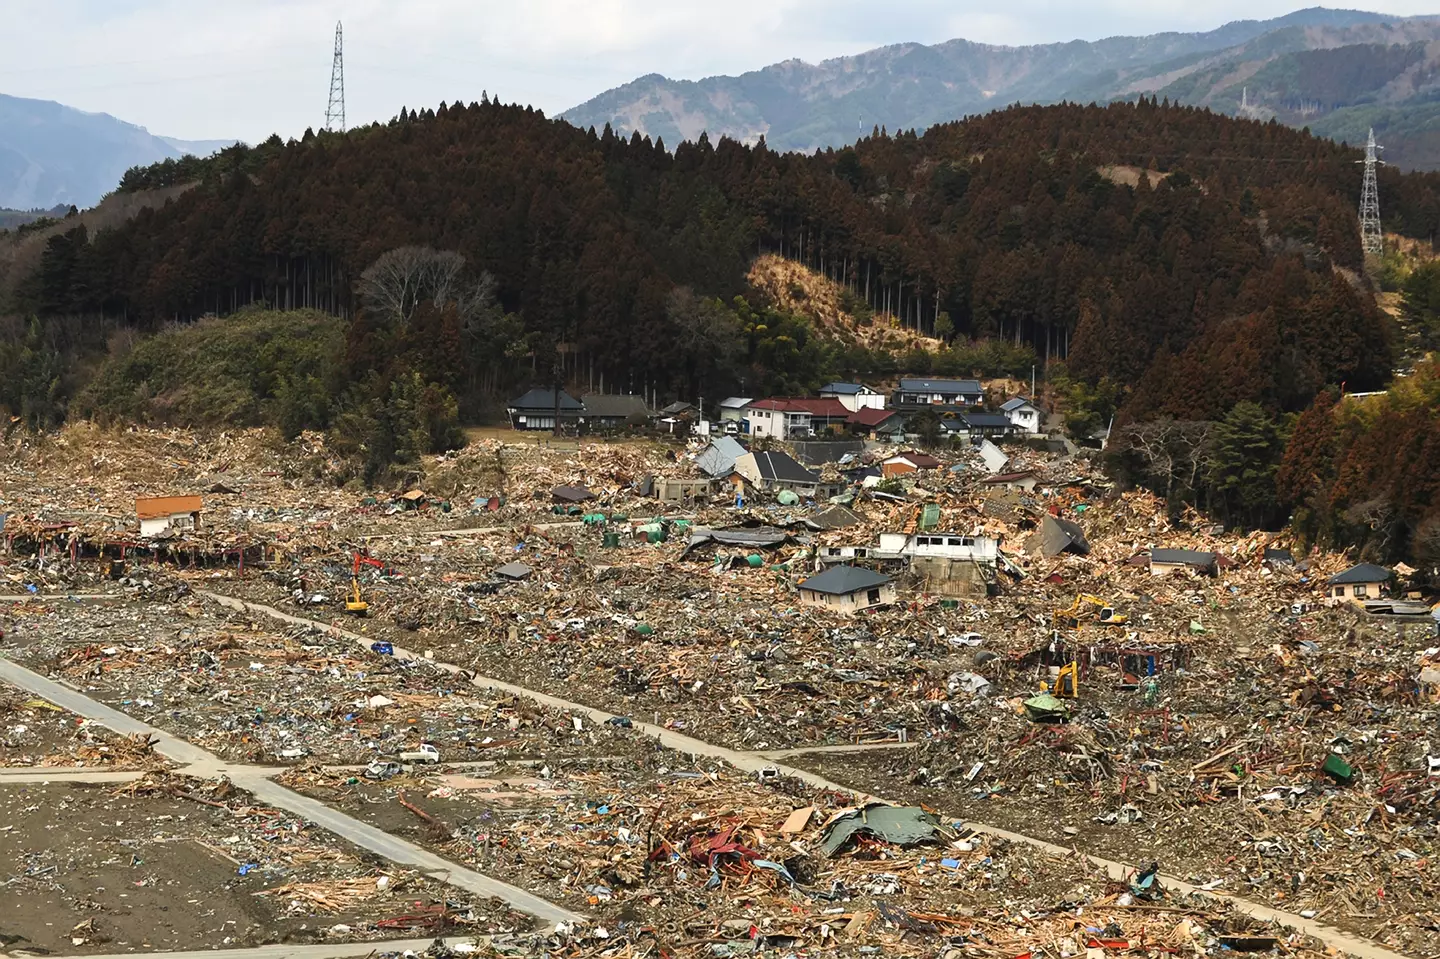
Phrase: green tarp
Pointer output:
(901, 825)
(1045, 708)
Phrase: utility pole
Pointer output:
(335, 112)
(1372, 239)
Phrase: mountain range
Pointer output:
(51, 154)
(1336, 71)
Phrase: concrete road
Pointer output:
(753, 762)
(19, 775)
(254, 779)
(339, 950)
(70, 597)
(839, 748)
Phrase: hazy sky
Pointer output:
(206, 69)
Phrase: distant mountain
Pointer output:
(199, 148)
(51, 154)
(1334, 70)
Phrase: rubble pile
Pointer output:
(705, 861)
(34, 732)
(249, 694)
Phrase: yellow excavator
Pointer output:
(355, 603)
(1085, 608)
(1067, 682)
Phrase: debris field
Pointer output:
(1232, 728)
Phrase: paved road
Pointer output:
(753, 762)
(254, 779)
(839, 748)
(11, 775)
(69, 597)
(339, 950)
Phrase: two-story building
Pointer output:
(1024, 415)
(798, 418)
(854, 396)
(917, 394)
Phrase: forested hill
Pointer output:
(1226, 273)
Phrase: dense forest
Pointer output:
(1164, 262)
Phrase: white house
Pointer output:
(1023, 414)
(159, 514)
(779, 419)
(853, 396)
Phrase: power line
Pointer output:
(1372, 239)
(335, 112)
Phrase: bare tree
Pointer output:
(1170, 450)
(1381, 518)
(402, 279)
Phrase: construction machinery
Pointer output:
(1085, 608)
(1067, 681)
(1061, 663)
(355, 603)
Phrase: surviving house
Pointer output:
(909, 462)
(853, 396)
(777, 471)
(1163, 562)
(604, 412)
(798, 418)
(917, 394)
(847, 589)
(732, 409)
(988, 425)
(881, 425)
(1366, 581)
(160, 514)
(777, 419)
(1024, 415)
(536, 410)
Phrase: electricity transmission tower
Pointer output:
(335, 112)
(1371, 237)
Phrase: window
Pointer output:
(954, 541)
(873, 596)
(967, 541)
(1337, 591)
(1361, 590)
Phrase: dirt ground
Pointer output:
(90, 870)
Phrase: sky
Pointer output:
(246, 69)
